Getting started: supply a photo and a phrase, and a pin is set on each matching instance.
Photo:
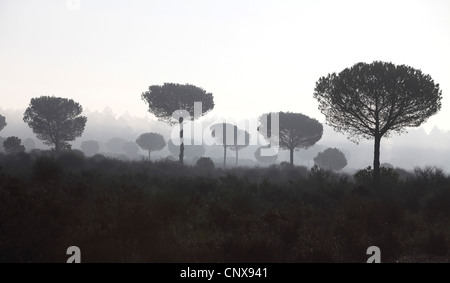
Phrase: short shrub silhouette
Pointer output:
(205, 165)
(162, 211)
(389, 177)
(320, 175)
(430, 177)
(429, 173)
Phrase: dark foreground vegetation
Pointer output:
(118, 211)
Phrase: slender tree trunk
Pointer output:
(182, 141)
(224, 156)
(149, 155)
(237, 158)
(292, 157)
(376, 161)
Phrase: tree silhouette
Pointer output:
(241, 139)
(296, 131)
(169, 101)
(266, 159)
(2, 122)
(375, 100)
(331, 159)
(55, 120)
(224, 135)
(131, 148)
(191, 150)
(90, 147)
(13, 145)
(151, 142)
(205, 165)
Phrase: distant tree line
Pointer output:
(368, 101)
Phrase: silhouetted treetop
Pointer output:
(13, 145)
(205, 165)
(151, 142)
(331, 159)
(2, 122)
(295, 131)
(377, 99)
(164, 100)
(55, 120)
(171, 99)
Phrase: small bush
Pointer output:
(388, 177)
(205, 165)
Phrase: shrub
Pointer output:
(13, 145)
(205, 165)
(331, 159)
(389, 177)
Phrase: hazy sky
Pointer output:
(254, 56)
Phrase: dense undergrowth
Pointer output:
(118, 211)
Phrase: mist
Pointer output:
(199, 131)
(415, 148)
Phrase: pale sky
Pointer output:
(254, 56)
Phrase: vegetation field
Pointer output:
(143, 211)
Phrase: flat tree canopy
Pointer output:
(331, 159)
(55, 120)
(375, 100)
(296, 131)
(151, 142)
(167, 100)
